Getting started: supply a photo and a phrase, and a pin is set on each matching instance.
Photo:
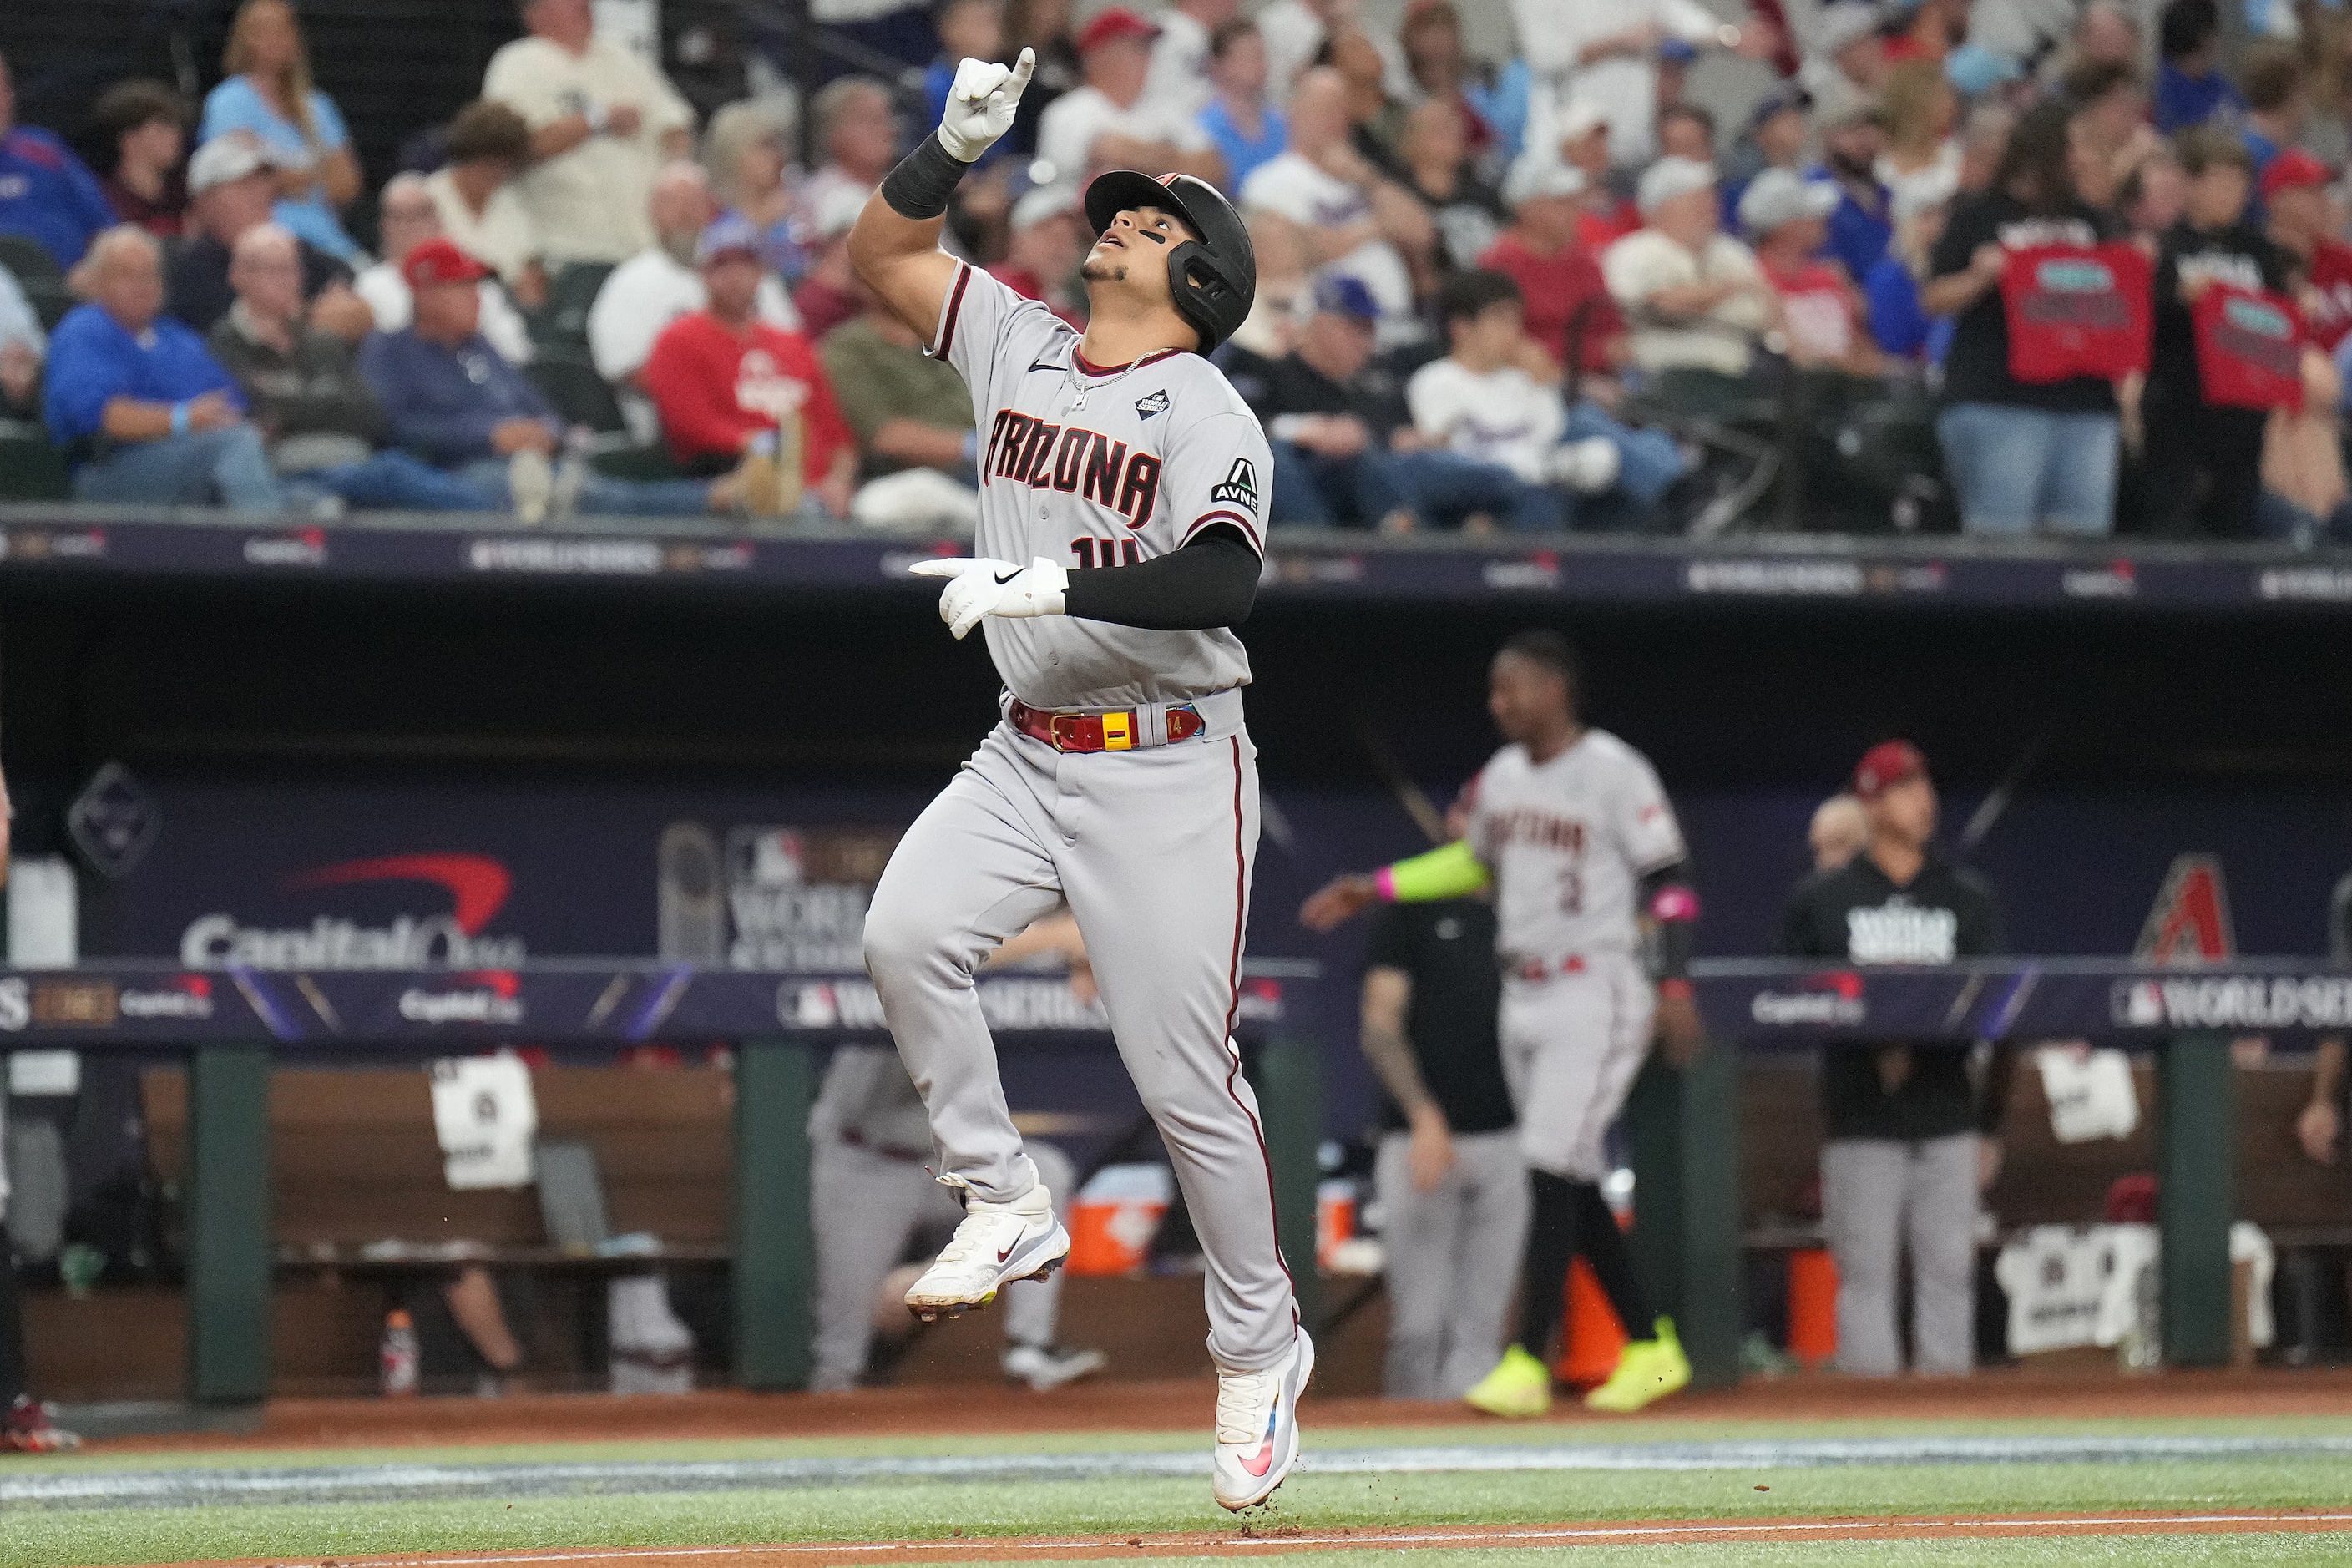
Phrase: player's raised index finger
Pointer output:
(944, 566)
(1023, 69)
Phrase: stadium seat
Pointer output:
(562, 322)
(39, 276)
(30, 260)
(31, 468)
(571, 382)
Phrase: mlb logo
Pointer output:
(766, 857)
(812, 1008)
(2139, 1005)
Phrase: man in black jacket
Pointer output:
(1907, 1145)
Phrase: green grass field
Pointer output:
(100, 1530)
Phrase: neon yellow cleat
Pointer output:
(1518, 1388)
(1646, 1373)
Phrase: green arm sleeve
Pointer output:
(1449, 872)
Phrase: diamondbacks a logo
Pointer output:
(1238, 487)
(1157, 403)
(2190, 921)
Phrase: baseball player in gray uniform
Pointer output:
(1120, 523)
(1573, 829)
(868, 1144)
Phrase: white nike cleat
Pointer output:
(996, 1243)
(1047, 1367)
(1257, 1426)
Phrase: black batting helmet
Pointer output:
(1214, 277)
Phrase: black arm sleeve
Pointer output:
(1212, 582)
(1671, 958)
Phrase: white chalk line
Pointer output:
(2073, 1522)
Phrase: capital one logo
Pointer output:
(455, 895)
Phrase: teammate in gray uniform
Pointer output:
(869, 1142)
(1574, 831)
(1120, 521)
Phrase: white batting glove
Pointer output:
(978, 586)
(981, 104)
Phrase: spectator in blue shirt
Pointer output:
(1901, 327)
(1246, 129)
(140, 406)
(2189, 86)
(46, 193)
(453, 400)
(1862, 221)
(267, 95)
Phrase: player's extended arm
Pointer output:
(894, 244)
(1210, 582)
(1450, 871)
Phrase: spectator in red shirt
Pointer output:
(2294, 194)
(1567, 300)
(727, 384)
(1787, 220)
(1043, 254)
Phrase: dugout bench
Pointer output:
(1689, 1127)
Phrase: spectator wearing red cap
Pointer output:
(2303, 459)
(1109, 124)
(455, 401)
(406, 216)
(2295, 196)
(1908, 1143)
(734, 391)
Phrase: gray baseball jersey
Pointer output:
(1153, 848)
(1094, 468)
(1569, 841)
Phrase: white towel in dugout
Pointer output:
(486, 1118)
(2091, 1093)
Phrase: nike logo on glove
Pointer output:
(1000, 583)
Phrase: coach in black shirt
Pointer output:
(1904, 1156)
(1451, 1182)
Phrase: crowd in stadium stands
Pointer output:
(2099, 266)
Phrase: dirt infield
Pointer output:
(1263, 1539)
(2007, 1394)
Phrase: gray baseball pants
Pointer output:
(1453, 1255)
(1153, 850)
(866, 1207)
(1879, 1196)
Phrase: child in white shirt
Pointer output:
(1496, 399)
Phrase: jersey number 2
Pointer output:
(1112, 552)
